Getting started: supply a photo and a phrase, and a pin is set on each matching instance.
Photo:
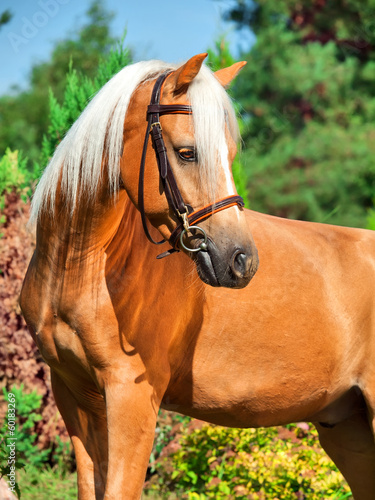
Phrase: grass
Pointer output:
(50, 484)
(47, 484)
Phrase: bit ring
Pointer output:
(202, 246)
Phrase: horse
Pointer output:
(245, 320)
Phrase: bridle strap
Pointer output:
(206, 212)
(166, 173)
(141, 201)
(169, 109)
(174, 197)
(181, 210)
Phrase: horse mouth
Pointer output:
(216, 271)
(205, 269)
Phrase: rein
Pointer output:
(183, 212)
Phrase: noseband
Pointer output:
(187, 216)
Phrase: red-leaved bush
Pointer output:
(20, 360)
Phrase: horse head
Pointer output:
(194, 134)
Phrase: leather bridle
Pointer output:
(183, 212)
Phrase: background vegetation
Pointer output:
(308, 100)
(307, 105)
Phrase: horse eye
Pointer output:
(187, 154)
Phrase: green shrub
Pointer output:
(371, 218)
(14, 176)
(13, 172)
(27, 414)
(221, 463)
(221, 57)
(47, 483)
(37, 479)
(16, 430)
(78, 91)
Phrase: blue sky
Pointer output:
(170, 30)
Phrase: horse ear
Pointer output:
(183, 76)
(226, 75)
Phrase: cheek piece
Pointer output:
(185, 214)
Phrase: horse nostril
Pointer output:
(241, 264)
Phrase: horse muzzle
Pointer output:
(231, 267)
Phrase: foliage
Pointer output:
(20, 360)
(45, 483)
(27, 414)
(309, 101)
(371, 219)
(14, 177)
(167, 426)
(34, 461)
(5, 17)
(24, 113)
(18, 423)
(91, 43)
(79, 89)
(13, 173)
(221, 57)
(208, 461)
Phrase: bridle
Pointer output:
(183, 212)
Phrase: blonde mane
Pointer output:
(98, 132)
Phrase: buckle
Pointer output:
(154, 125)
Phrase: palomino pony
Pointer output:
(125, 333)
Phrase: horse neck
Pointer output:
(105, 239)
(103, 252)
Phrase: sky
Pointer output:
(170, 30)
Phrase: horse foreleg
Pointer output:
(350, 444)
(132, 409)
(88, 432)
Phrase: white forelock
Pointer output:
(212, 112)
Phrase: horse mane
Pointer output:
(97, 135)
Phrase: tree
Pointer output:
(24, 116)
(220, 57)
(92, 42)
(79, 89)
(5, 17)
(308, 96)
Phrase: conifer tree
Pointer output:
(220, 56)
(24, 113)
(309, 98)
(78, 91)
